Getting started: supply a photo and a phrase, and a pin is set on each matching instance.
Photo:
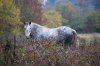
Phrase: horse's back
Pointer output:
(65, 29)
(47, 33)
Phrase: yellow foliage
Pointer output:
(71, 8)
(10, 14)
(52, 18)
(67, 8)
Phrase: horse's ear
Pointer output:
(24, 23)
(29, 22)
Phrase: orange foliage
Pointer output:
(36, 6)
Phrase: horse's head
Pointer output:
(30, 29)
(27, 29)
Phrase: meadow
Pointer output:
(86, 52)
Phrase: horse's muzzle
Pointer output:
(30, 35)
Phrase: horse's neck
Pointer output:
(33, 25)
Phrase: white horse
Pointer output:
(61, 34)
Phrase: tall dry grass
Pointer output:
(30, 53)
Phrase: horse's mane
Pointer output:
(40, 25)
(36, 24)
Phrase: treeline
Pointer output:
(82, 15)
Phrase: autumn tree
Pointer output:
(71, 16)
(31, 10)
(93, 22)
(9, 28)
(52, 18)
(67, 10)
(9, 17)
(85, 7)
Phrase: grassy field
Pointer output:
(88, 39)
(85, 53)
(89, 35)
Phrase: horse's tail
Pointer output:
(71, 39)
(74, 38)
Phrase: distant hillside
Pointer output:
(53, 3)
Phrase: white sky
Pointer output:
(44, 2)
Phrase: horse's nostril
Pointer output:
(30, 35)
(27, 38)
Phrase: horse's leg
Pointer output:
(74, 40)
